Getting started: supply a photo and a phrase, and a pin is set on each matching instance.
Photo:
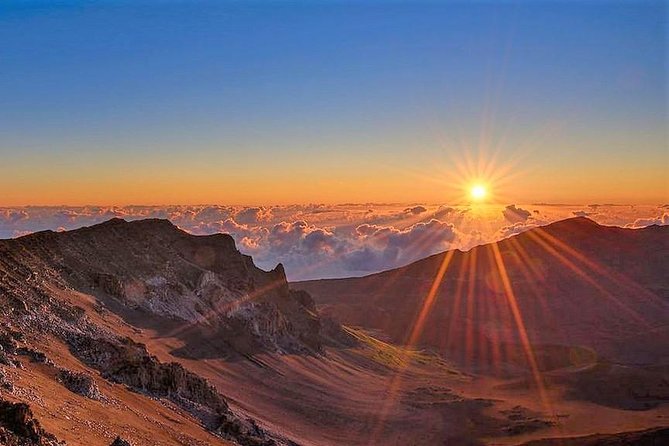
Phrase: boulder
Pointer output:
(79, 383)
(118, 441)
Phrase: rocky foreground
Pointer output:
(202, 285)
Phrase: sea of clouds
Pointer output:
(324, 241)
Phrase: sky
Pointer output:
(270, 103)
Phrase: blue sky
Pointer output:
(99, 85)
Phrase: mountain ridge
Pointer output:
(152, 265)
(567, 223)
(565, 278)
(158, 327)
(200, 288)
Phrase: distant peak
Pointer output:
(148, 222)
(154, 225)
(112, 221)
(574, 225)
(581, 221)
(160, 222)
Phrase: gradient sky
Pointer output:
(155, 102)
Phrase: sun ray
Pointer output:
(412, 338)
(455, 308)
(585, 276)
(520, 326)
(469, 320)
(602, 271)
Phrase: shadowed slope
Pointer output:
(650, 437)
(578, 289)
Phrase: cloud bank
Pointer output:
(317, 240)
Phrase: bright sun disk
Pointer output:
(478, 192)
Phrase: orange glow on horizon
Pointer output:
(210, 179)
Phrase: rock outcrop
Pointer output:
(151, 266)
(215, 297)
(79, 383)
(127, 362)
(18, 427)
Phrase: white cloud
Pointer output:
(316, 240)
(515, 214)
(388, 247)
(415, 210)
(516, 228)
(253, 215)
(661, 220)
(583, 213)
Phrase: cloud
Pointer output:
(661, 220)
(253, 215)
(317, 240)
(515, 228)
(388, 247)
(515, 214)
(583, 213)
(13, 216)
(366, 229)
(524, 221)
(444, 211)
(416, 210)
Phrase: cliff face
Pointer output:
(201, 283)
(201, 289)
(18, 427)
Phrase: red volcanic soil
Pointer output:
(575, 311)
(649, 437)
(596, 320)
(570, 285)
(82, 421)
(377, 393)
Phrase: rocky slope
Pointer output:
(18, 427)
(155, 269)
(200, 286)
(137, 333)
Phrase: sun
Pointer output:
(478, 192)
